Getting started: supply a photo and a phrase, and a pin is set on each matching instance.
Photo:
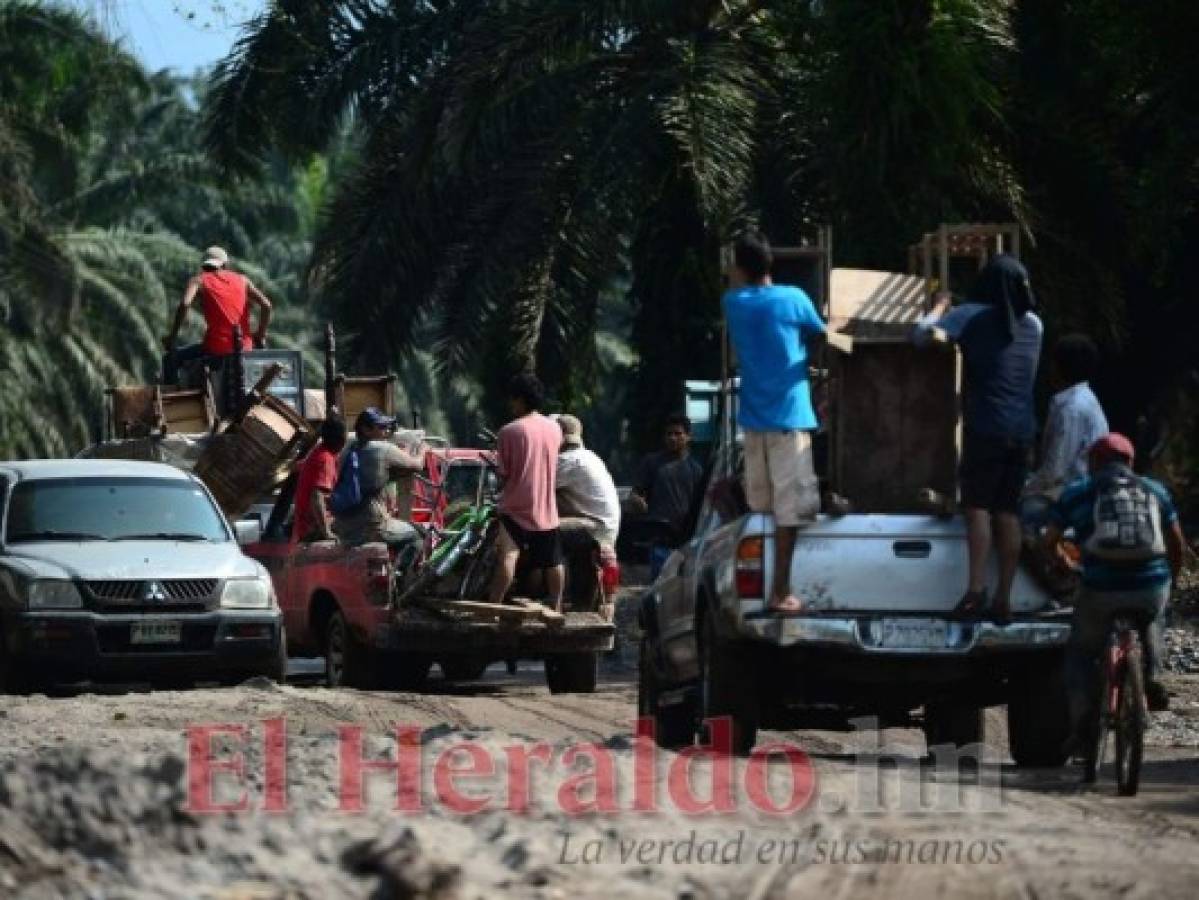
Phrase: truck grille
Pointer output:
(168, 594)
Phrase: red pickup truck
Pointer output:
(336, 603)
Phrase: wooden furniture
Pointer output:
(254, 455)
(894, 406)
(356, 392)
(933, 256)
(146, 410)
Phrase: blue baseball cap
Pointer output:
(374, 417)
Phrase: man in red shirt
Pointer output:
(527, 460)
(225, 298)
(318, 476)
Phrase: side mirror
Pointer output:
(248, 531)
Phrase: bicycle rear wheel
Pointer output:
(419, 583)
(1132, 718)
(1097, 729)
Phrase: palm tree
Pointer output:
(105, 198)
(515, 158)
(507, 154)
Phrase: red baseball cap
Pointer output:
(1109, 448)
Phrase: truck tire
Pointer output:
(13, 678)
(953, 722)
(674, 726)
(463, 668)
(275, 670)
(728, 688)
(572, 673)
(347, 663)
(404, 671)
(1038, 718)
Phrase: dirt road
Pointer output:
(94, 802)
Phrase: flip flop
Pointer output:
(790, 606)
(971, 607)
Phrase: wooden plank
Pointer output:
(544, 612)
(516, 610)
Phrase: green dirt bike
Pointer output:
(466, 544)
(469, 540)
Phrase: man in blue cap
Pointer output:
(362, 509)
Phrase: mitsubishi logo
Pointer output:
(153, 592)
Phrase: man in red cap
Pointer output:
(1131, 541)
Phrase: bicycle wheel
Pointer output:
(480, 570)
(420, 582)
(1131, 720)
(1098, 727)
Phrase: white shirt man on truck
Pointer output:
(586, 494)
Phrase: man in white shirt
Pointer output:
(1075, 421)
(586, 494)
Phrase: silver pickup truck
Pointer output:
(877, 638)
(128, 570)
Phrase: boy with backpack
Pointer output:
(360, 502)
(1132, 547)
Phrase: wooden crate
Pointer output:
(188, 411)
(135, 411)
(253, 456)
(144, 410)
(356, 392)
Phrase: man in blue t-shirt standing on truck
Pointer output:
(768, 324)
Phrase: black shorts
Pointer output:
(993, 473)
(538, 549)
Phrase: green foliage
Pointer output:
(517, 159)
(105, 202)
(500, 170)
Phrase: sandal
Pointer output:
(972, 606)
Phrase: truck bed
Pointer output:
(417, 629)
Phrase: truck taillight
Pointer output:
(749, 565)
(379, 570)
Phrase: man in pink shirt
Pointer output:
(527, 459)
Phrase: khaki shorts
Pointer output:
(780, 477)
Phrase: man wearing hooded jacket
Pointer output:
(1000, 337)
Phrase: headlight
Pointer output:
(50, 594)
(246, 593)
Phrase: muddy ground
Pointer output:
(95, 802)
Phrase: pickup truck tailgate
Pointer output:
(899, 563)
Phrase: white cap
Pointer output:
(216, 257)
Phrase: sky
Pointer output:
(177, 34)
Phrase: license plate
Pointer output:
(156, 633)
(915, 634)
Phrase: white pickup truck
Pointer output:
(877, 637)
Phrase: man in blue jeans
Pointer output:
(1131, 541)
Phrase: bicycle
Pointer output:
(470, 535)
(1123, 709)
